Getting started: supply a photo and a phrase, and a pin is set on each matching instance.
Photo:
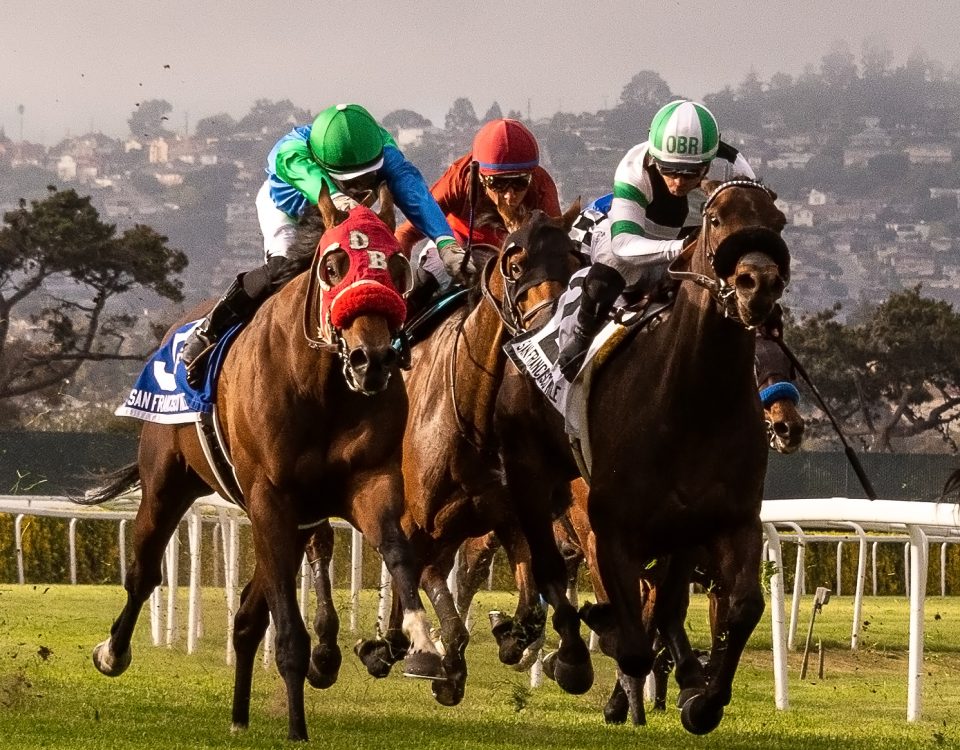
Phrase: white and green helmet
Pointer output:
(684, 134)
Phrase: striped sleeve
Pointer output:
(628, 215)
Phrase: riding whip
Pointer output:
(851, 455)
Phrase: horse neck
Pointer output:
(480, 360)
(284, 342)
(704, 349)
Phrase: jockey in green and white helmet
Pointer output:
(632, 236)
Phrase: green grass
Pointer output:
(51, 696)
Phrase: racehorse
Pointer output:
(451, 464)
(314, 427)
(677, 435)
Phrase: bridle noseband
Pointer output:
(721, 292)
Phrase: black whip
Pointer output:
(851, 455)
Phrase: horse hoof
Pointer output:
(447, 692)
(529, 656)
(510, 651)
(236, 728)
(698, 717)
(324, 666)
(108, 663)
(375, 655)
(550, 665)
(575, 678)
(615, 712)
(424, 666)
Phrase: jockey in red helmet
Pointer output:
(508, 183)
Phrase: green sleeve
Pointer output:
(296, 167)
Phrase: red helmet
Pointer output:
(505, 146)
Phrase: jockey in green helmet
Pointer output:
(632, 236)
(347, 152)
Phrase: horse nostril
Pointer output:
(746, 281)
(358, 358)
(390, 357)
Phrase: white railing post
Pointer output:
(918, 588)
(356, 577)
(18, 543)
(858, 590)
(194, 531)
(778, 634)
(72, 543)
(173, 583)
(386, 599)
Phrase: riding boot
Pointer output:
(233, 307)
(601, 287)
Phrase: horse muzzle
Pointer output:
(368, 368)
(758, 284)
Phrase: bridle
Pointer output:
(721, 292)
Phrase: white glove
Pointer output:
(430, 262)
(452, 256)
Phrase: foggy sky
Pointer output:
(81, 66)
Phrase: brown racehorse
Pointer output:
(451, 462)
(314, 431)
(677, 435)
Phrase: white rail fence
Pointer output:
(839, 521)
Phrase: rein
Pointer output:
(721, 292)
(313, 331)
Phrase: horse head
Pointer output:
(362, 276)
(739, 254)
(535, 264)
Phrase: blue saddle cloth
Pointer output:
(162, 394)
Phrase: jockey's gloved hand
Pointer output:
(453, 256)
(344, 202)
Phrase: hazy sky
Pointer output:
(84, 64)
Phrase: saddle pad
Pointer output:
(536, 352)
(162, 394)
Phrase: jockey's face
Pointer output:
(506, 189)
(359, 188)
(678, 182)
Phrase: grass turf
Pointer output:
(52, 697)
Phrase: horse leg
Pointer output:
(448, 692)
(278, 556)
(325, 659)
(520, 638)
(381, 653)
(476, 558)
(160, 510)
(736, 563)
(621, 582)
(572, 669)
(375, 512)
(249, 625)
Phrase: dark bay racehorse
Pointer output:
(677, 435)
(451, 463)
(315, 431)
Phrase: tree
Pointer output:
(894, 375)
(404, 118)
(216, 126)
(646, 89)
(62, 237)
(266, 116)
(494, 113)
(149, 119)
(461, 116)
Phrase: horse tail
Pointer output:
(117, 483)
(951, 486)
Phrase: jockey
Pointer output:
(505, 163)
(633, 235)
(349, 153)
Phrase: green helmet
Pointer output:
(684, 134)
(346, 141)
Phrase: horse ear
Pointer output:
(570, 215)
(327, 210)
(387, 215)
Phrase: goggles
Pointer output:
(690, 172)
(501, 183)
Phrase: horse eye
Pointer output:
(515, 271)
(714, 221)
